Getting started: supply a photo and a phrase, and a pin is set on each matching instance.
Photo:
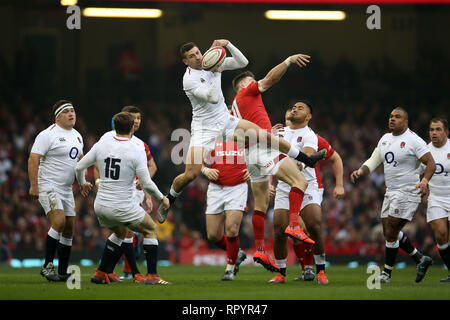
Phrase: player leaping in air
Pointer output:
(210, 117)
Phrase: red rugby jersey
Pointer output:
(322, 144)
(147, 152)
(230, 161)
(248, 105)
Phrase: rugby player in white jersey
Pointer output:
(211, 119)
(131, 270)
(302, 136)
(119, 163)
(438, 202)
(401, 152)
(51, 165)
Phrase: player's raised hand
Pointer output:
(34, 192)
(356, 175)
(85, 189)
(300, 59)
(220, 43)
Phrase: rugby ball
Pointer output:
(213, 58)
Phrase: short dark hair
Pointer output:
(239, 78)
(403, 110)
(185, 48)
(123, 122)
(58, 104)
(307, 103)
(131, 109)
(438, 119)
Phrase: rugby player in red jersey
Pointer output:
(263, 162)
(226, 201)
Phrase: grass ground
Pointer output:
(203, 283)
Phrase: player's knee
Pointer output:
(278, 227)
(441, 236)
(232, 230)
(58, 223)
(213, 238)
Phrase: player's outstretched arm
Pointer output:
(237, 59)
(278, 71)
(371, 164)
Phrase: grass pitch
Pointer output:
(204, 283)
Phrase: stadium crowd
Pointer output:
(350, 110)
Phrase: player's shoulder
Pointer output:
(108, 134)
(411, 135)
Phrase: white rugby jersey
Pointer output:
(119, 162)
(60, 150)
(400, 156)
(197, 83)
(440, 182)
(300, 138)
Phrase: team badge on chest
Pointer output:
(299, 139)
(448, 155)
(402, 144)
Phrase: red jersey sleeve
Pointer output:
(324, 144)
(147, 152)
(252, 89)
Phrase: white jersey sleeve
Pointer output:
(88, 160)
(440, 181)
(42, 143)
(237, 61)
(420, 147)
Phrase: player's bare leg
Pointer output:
(194, 161)
(57, 221)
(441, 233)
(229, 242)
(289, 173)
(249, 131)
(261, 195)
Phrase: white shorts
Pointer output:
(53, 200)
(138, 196)
(206, 136)
(262, 162)
(114, 217)
(437, 208)
(226, 198)
(313, 195)
(400, 204)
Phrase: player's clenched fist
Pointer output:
(34, 192)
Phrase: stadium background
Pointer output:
(356, 76)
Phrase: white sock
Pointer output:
(319, 258)
(128, 240)
(281, 263)
(150, 241)
(114, 239)
(230, 267)
(173, 192)
(65, 241)
(54, 234)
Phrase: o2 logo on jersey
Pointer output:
(389, 157)
(440, 169)
(73, 153)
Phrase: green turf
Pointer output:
(203, 282)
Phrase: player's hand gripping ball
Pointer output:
(213, 58)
